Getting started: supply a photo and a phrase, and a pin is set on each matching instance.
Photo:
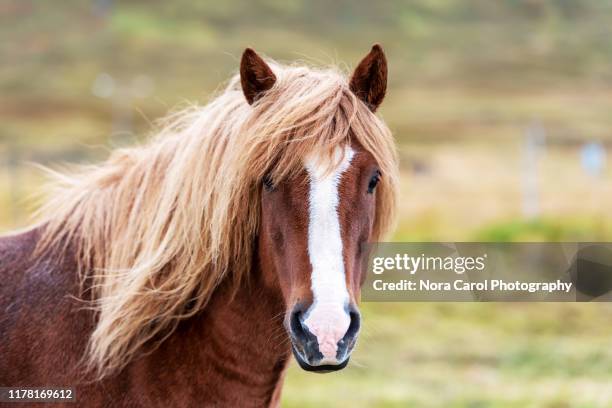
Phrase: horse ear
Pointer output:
(369, 81)
(256, 76)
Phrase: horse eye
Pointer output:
(373, 182)
(267, 182)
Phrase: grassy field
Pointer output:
(467, 79)
(470, 355)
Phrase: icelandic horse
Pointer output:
(186, 271)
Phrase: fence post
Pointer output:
(535, 136)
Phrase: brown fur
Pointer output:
(256, 77)
(230, 354)
(369, 81)
(284, 231)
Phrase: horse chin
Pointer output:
(321, 369)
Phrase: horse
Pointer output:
(185, 271)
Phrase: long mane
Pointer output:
(157, 227)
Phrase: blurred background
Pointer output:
(502, 115)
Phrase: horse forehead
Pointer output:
(325, 167)
(327, 177)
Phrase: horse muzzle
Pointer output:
(323, 338)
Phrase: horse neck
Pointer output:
(252, 315)
(244, 330)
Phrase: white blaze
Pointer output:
(327, 318)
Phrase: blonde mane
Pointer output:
(157, 227)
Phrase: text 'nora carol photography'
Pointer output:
(488, 272)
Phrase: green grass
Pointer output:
(470, 355)
(547, 230)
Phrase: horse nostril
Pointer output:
(350, 336)
(295, 323)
